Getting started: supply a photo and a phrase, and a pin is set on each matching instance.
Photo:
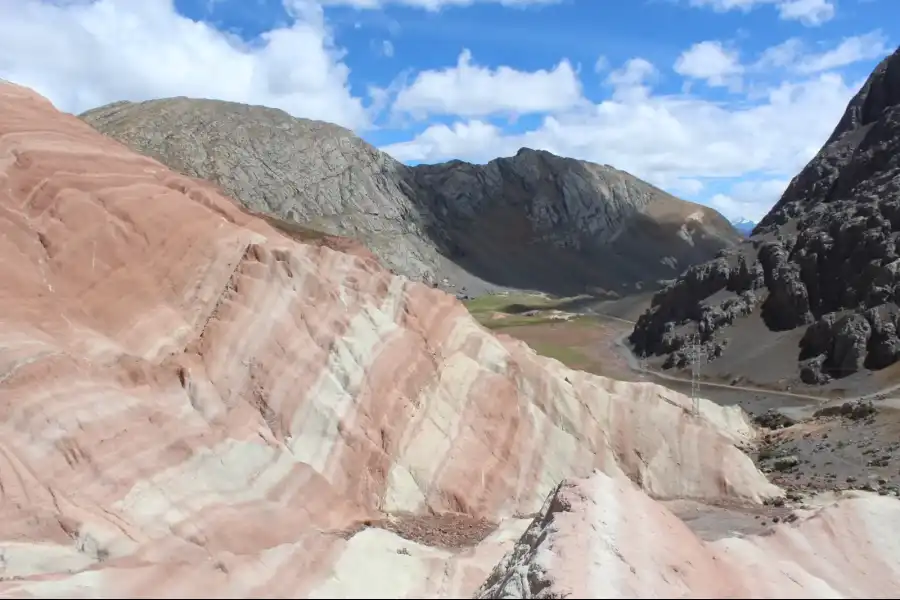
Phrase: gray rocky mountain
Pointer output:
(815, 288)
(533, 221)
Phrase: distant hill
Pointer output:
(534, 220)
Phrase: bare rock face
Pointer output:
(534, 220)
(825, 258)
(301, 171)
(198, 402)
(599, 537)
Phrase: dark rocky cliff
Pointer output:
(826, 258)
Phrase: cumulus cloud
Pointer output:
(632, 81)
(85, 54)
(793, 55)
(475, 140)
(82, 54)
(780, 56)
(749, 199)
(850, 50)
(433, 5)
(681, 142)
(671, 136)
(808, 12)
(471, 90)
(675, 142)
(711, 62)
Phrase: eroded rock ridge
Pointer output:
(826, 258)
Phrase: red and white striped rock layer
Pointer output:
(194, 405)
(601, 537)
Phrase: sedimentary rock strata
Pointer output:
(600, 537)
(196, 404)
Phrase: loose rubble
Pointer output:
(841, 448)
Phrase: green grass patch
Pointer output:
(513, 321)
(510, 303)
(526, 321)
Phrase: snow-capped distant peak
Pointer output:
(743, 225)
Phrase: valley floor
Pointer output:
(810, 455)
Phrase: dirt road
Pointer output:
(794, 411)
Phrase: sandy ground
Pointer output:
(716, 522)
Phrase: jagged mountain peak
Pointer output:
(880, 92)
(869, 115)
(814, 294)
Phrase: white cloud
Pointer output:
(668, 137)
(726, 5)
(686, 186)
(794, 55)
(82, 55)
(387, 48)
(433, 5)
(675, 142)
(851, 50)
(632, 81)
(749, 199)
(472, 91)
(780, 56)
(710, 62)
(475, 140)
(808, 12)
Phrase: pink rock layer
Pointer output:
(196, 405)
(601, 537)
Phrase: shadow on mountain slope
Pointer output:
(530, 221)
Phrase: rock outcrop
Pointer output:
(600, 537)
(197, 404)
(826, 258)
(534, 220)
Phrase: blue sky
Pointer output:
(717, 101)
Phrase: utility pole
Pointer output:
(695, 356)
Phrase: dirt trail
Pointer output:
(796, 412)
(806, 453)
